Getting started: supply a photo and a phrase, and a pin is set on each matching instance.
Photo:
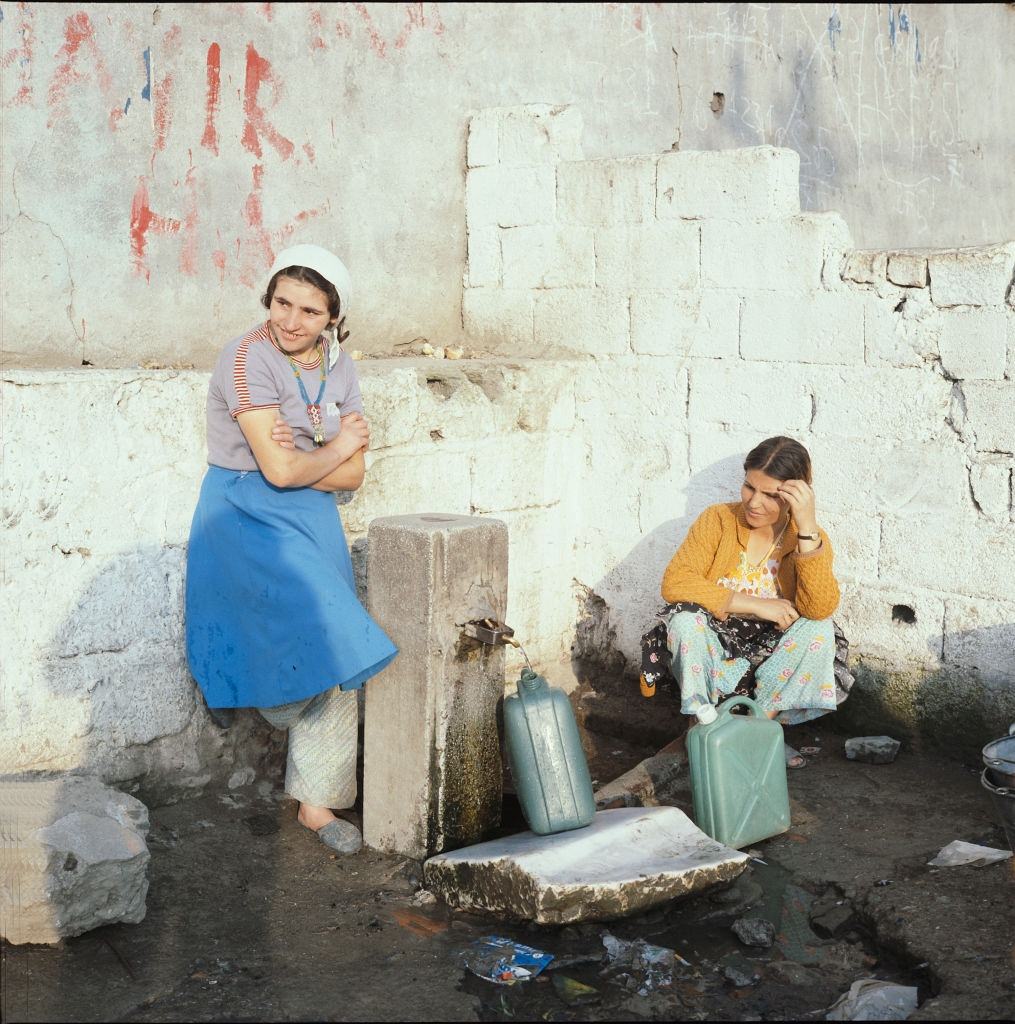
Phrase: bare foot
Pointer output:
(313, 818)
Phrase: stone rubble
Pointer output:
(872, 749)
(754, 931)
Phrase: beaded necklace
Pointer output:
(314, 407)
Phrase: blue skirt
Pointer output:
(272, 615)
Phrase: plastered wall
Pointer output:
(156, 156)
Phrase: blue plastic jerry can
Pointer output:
(738, 776)
(547, 762)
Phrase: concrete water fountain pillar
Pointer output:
(432, 778)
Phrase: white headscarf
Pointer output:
(329, 266)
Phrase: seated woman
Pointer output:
(752, 586)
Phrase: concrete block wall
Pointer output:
(648, 319)
(96, 512)
(719, 315)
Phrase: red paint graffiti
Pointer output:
(162, 115)
(210, 139)
(415, 17)
(317, 24)
(256, 121)
(142, 220)
(257, 251)
(78, 32)
(22, 55)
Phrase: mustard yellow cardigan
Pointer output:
(712, 549)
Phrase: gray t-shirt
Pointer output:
(253, 373)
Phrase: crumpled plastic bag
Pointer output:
(870, 999)
(644, 966)
(957, 853)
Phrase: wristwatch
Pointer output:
(808, 536)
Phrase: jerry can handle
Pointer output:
(747, 702)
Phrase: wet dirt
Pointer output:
(251, 918)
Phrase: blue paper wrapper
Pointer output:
(503, 961)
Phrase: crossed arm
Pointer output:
(335, 466)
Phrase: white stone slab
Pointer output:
(626, 860)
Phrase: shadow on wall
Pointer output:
(119, 695)
(622, 606)
(956, 706)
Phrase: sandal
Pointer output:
(794, 759)
(341, 836)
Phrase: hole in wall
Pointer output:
(903, 613)
(718, 104)
(443, 389)
(436, 435)
(901, 305)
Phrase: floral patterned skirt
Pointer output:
(802, 672)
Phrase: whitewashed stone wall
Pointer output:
(645, 320)
(717, 314)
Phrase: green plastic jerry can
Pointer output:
(547, 761)
(738, 776)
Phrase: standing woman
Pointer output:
(752, 587)
(272, 617)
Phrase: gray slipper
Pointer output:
(341, 836)
(794, 759)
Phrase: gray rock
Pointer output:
(832, 922)
(739, 977)
(754, 931)
(626, 861)
(74, 858)
(872, 749)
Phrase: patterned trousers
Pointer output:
(797, 680)
(321, 766)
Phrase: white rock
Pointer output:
(625, 861)
(907, 269)
(971, 277)
(243, 777)
(865, 266)
(74, 858)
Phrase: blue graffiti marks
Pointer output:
(126, 105)
(834, 27)
(891, 25)
(903, 21)
(146, 92)
(919, 55)
(1, 14)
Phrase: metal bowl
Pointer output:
(999, 757)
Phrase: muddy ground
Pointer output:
(251, 919)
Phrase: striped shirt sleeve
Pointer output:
(251, 384)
